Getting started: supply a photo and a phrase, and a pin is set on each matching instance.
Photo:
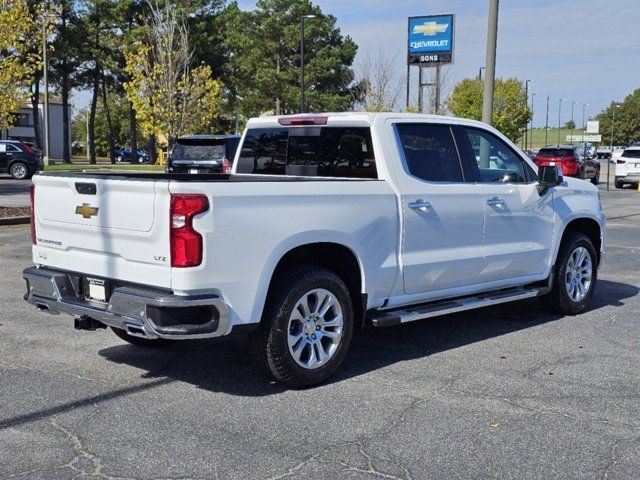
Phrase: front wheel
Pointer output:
(140, 159)
(306, 327)
(575, 276)
(119, 159)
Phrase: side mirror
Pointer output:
(549, 176)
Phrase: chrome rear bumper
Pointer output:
(139, 311)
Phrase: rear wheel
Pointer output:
(20, 171)
(306, 327)
(140, 159)
(596, 178)
(141, 342)
(619, 184)
(119, 158)
(575, 276)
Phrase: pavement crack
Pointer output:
(82, 455)
(295, 468)
(371, 468)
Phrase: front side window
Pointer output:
(430, 152)
(309, 151)
(497, 163)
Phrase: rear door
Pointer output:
(442, 215)
(518, 231)
(111, 227)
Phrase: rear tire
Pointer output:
(119, 158)
(596, 179)
(141, 342)
(619, 184)
(297, 344)
(20, 171)
(574, 277)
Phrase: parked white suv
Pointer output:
(628, 167)
(326, 222)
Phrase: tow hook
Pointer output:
(87, 323)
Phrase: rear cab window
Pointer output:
(631, 153)
(311, 151)
(199, 150)
(555, 152)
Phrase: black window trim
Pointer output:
(474, 164)
(403, 158)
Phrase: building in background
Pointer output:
(24, 128)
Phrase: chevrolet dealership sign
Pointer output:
(431, 39)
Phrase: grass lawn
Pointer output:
(538, 140)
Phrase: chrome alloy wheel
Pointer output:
(19, 171)
(315, 328)
(578, 274)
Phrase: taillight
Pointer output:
(186, 242)
(226, 165)
(28, 149)
(32, 196)
(620, 161)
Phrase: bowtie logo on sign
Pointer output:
(430, 28)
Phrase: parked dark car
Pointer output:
(124, 155)
(570, 159)
(203, 154)
(18, 159)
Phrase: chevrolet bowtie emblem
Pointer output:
(86, 210)
(430, 28)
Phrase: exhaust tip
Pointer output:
(43, 307)
(135, 331)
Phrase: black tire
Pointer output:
(596, 178)
(20, 171)
(141, 342)
(270, 341)
(558, 299)
(619, 184)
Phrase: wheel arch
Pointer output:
(587, 226)
(336, 257)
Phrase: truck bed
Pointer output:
(208, 177)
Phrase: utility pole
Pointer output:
(526, 124)
(45, 67)
(302, 19)
(438, 80)
(490, 64)
(531, 135)
(480, 73)
(546, 124)
(572, 122)
(559, 112)
(420, 89)
(584, 119)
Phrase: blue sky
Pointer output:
(586, 51)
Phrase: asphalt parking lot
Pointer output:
(508, 392)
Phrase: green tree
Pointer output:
(19, 59)
(510, 110)
(570, 125)
(262, 72)
(627, 123)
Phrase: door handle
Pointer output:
(421, 205)
(495, 202)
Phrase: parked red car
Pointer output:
(570, 159)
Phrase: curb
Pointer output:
(14, 220)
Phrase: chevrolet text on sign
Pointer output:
(431, 39)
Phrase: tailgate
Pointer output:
(105, 227)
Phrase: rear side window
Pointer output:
(309, 151)
(631, 153)
(430, 153)
(555, 152)
(190, 150)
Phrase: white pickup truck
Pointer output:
(326, 222)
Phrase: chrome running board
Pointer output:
(387, 318)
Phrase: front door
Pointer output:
(442, 215)
(518, 220)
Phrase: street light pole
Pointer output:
(490, 64)
(584, 119)
(559, 113)
(302, 19)
(613, 121)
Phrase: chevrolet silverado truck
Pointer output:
(325, 223)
